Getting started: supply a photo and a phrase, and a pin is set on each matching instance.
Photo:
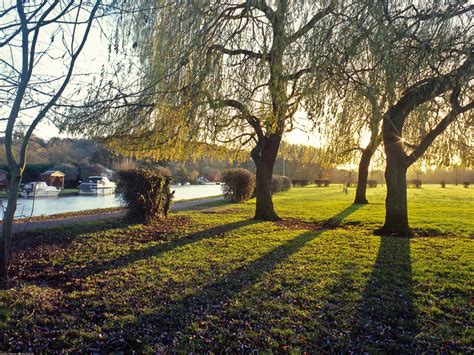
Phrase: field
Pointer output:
(217, 280)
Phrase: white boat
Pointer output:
(97, 185)
(39, 189)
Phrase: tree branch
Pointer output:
(429, 89)
(311, 23)
(440, 127)
(245, 52)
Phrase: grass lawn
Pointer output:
(217, 280)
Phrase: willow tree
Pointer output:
(435, 38)
(222, 73)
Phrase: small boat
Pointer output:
(39, 189)
(97, 185)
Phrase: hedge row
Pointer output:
(372, 183)
(414, 182)
(280, 183)
(239, 184)
(322, 182)
(301, 182)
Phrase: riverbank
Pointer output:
(39, 207)
(73, 218)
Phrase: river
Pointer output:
(53, 205)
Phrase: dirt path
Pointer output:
(52, 223)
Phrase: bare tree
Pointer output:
(40, 42)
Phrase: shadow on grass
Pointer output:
(157, 249)
(386, 316)
(336, 220)
(63, 235)
(210, 300)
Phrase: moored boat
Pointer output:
(39, 189)
(97, 185)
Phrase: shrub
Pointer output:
(280, 183)
(466, 184)
(443, 184)
(416, 183)
(301, 182)
(322, 182)
(239, 184)
(372, 183)
(146, 193)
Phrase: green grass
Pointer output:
(216, 280)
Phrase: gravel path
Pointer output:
(178, 206)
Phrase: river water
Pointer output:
(53, 205)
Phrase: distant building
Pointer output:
(54, 178)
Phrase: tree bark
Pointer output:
(264, 156)
(361, 191)
(396, 209)
(7, 228)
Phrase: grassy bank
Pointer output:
(217, 280)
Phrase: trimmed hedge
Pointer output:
(414, 182)
(239, 184)
(372, 183)
(146, 193)
(443, 184)
(466, 184)
(301, 182)
(280, 183)
(322, 182)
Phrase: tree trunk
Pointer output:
(361, 192)
(7, 226)
(396, 214)
(264, 155)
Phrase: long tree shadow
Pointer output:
(177, 315)
(158, 249)
(386, 316)
(63, 235)
(31, 249)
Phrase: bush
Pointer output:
(146, 193)
(280, 183)
(322, 182)
(466, 184)
(301, 182)
(239, 184)
(414, 182)
(372, 183)
(443, 184)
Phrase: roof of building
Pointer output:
(55, 173)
